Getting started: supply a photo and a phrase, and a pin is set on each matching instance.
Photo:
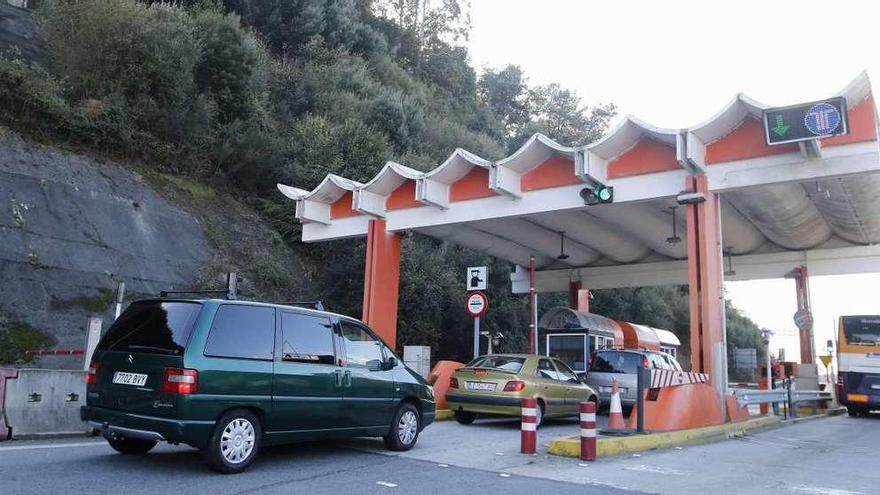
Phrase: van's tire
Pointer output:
(235, 442)
(130, 446)
(405, 427)
(856, 412)
(464, 417)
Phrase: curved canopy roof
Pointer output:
(563, 318)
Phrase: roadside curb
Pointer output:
(443, 415)
(569, 446)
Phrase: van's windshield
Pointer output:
(154, 327)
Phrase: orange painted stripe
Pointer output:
(862, 125)
(646, 157)
(403, 197)
(341, 208)
(746, 141)
(554, 172)
(475, 184)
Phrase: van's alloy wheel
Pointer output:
(235, 442)
(405, 426)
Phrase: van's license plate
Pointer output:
(124, 378)
(480, 386)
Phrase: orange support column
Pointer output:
(708, 340)
(382, 281)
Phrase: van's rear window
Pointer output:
(152, 327)
(861, 329)
(616, 362)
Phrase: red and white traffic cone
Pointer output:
(615, 411)
(588, 431)
(529, 426)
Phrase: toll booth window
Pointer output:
(507, 363)
(862, 330)
(306, 338)
(616, 362)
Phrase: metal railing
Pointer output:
(786, 394)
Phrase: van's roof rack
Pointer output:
(315, 304)
(230, 292)
(165, 293)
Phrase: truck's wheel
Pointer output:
(235, 442)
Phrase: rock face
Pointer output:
(71, 227)
(19, 34)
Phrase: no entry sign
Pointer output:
(476, 304)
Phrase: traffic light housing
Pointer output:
(597, 195)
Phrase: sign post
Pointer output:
(476, 304)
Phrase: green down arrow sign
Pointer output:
(780, 129)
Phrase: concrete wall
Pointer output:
(45, 402)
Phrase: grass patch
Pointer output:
(94, 304)
(16, 338)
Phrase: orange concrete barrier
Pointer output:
(736, 413)
(439, 378)
(677, 408)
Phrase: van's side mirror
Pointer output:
(390, 363)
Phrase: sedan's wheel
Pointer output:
(464, 417)
(235, 442)
(405, 428)
(130, 446)
(539, 414)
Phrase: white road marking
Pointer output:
(655, 469)
(53, 446)
(818, 490)
(443, 465)
(504, 475)
(385, 483)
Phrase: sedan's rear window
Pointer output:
(155, 327)
(616, 362)
(506, 363)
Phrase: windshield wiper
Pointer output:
(152, 348)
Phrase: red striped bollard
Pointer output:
(588, 431)
(529, 428)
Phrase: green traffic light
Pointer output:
(603, 193)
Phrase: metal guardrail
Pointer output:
(788, 395)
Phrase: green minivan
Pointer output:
(228, 377)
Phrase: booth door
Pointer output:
(570, 348)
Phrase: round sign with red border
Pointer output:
(476, 304)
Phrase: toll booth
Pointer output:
(572, 336)
(669, 343)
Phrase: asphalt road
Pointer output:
(835, 456)
(89, 466)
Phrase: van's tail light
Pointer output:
(180, 381)
(514, 386)
(840, 379)
(453, 382)
(644, 361)
(92, 375)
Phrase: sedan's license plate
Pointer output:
(125, 378)
(480, 386)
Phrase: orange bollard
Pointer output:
(439, 379)
(615, 411)
(588, 431)
(529, 426)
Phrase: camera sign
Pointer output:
(476, 278)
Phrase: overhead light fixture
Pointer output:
(675, 239)
(690, 198)
(562, 255)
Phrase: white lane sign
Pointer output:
(476, 277)
(476, 304)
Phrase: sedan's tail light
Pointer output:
(514, 386)
(180, 381)
(453, 382)
(92, 375)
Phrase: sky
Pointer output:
(675, 64)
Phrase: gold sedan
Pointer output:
(494, 385)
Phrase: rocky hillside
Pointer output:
(71, 227)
